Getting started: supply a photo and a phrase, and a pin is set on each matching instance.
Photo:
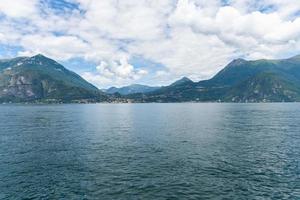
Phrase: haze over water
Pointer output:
(150, 151)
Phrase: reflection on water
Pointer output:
(150, 151)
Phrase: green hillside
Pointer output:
(240, 81)
(39, 78)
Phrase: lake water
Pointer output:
(150, 151)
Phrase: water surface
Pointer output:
(150, 151)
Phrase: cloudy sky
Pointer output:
(120, 42)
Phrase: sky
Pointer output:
(154, 42)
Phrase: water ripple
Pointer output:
(150, 151)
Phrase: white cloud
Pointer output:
(115, 73)
(131, 19)
(186, 53)
(60, 47)
(18, 8)
(194, 38)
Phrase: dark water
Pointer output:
(150, 151)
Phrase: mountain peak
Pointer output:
(185, 79)
(40, 59)
(40, 56)
(182, 81)
(237, 61)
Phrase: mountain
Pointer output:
(240, 81)
(41, 79)
(38, 78)
(182, 81)
(131, 89)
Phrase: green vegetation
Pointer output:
(239, 81)
(131, 89)
(40, 79)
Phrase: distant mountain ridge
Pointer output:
(41, 79)
(131, 89)
(240, 81)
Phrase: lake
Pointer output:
(150, 151)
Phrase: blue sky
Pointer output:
(116, 43)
